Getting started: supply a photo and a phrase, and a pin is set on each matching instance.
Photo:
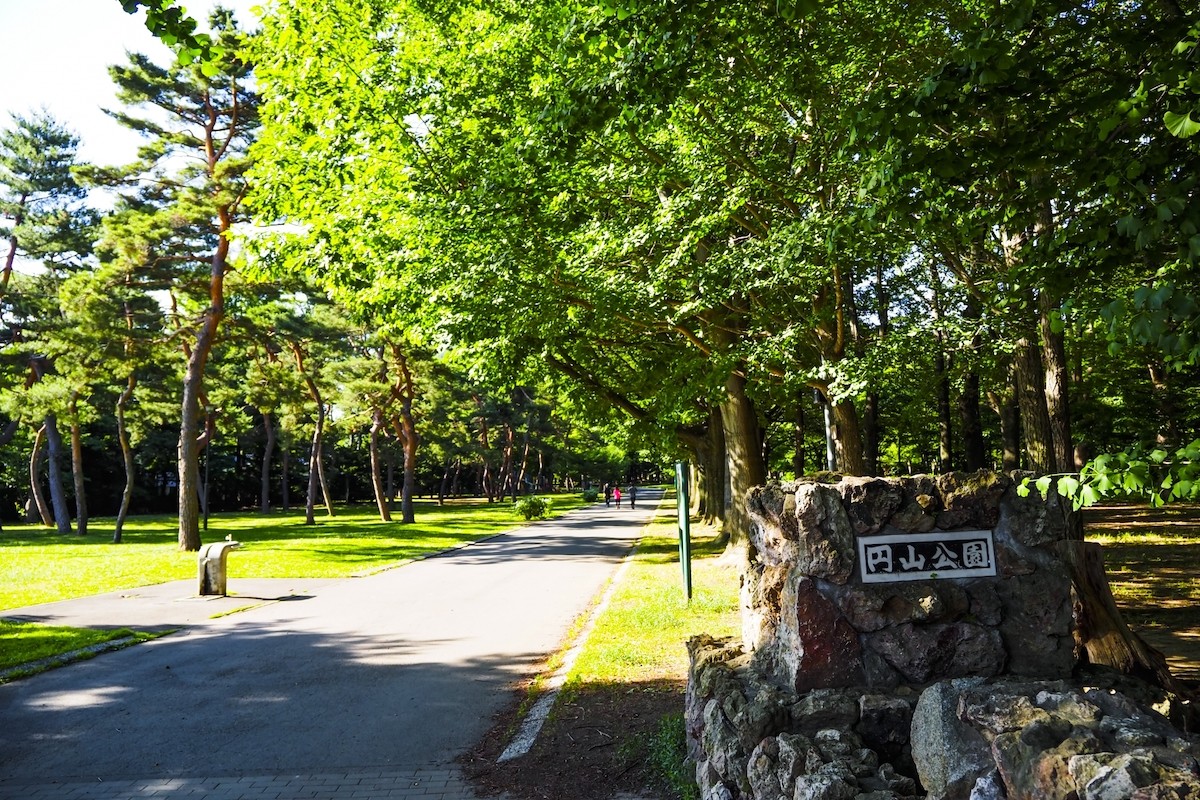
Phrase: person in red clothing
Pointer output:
(617, 495)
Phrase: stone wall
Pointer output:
(952, 688)
(812, 622)
(961, 739)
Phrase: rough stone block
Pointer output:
(884, 722)
(823, 787)
(762, 771)
(921, 653)
(971, 501)
(921, 504)
(950, 755)
(825, 543)
(870, 502)
(820, 709)
(774, 529)
(817, 646)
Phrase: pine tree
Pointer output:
(42, 204)
(204, 117)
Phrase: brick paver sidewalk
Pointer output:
(424, 783)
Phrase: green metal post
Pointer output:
(685, 530)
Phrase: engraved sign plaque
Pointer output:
(926, 556)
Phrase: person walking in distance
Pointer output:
(632, 496)
(617, 495)
(607, 494)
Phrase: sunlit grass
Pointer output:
(640, 638)
(38, 566)
(23, 643)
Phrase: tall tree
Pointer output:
(208, 115)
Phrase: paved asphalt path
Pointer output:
(379, 681)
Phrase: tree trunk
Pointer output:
(190, 440)
(1004, 403)
(485, 476)
(264, 492)
(391, 476)
(871, 433)
(709, 471)
(743, 456)
(847, 439)
(285, 468)
(126, 457)
(325, 494)
(314, 451)
(58, 497)
(506, 464)
(81, 510)
(314, 460)
(1054, 356)
(798, 435)
(519, 484)
(1029, 379)
(442, 487)
(409, 441)
(945, 431)
(35, 481)
(1106, 639)
(974, 448)
(381, 501)
(13, 244)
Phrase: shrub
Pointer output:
(532, 507)
(591, 494)
(663, 751)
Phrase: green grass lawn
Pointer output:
(640, 637)
(23, 642)
(38, 566)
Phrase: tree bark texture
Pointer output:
(314, 461)
(1105, 637)
(847, 439)
(409, 441)
(1029, 379)
(126, 456)
(1004, 403)
(77, 476)
(58, 495)
(190, 442)
(743, 456)
(1054, 358)
(35, 478)
(974, 446)
(325, 493)
(871, 434)
(381, 501)
(264, 491)
(798, 453)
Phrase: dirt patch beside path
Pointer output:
(592, 748)
(1152, 557)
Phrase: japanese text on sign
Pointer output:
(926, 556)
